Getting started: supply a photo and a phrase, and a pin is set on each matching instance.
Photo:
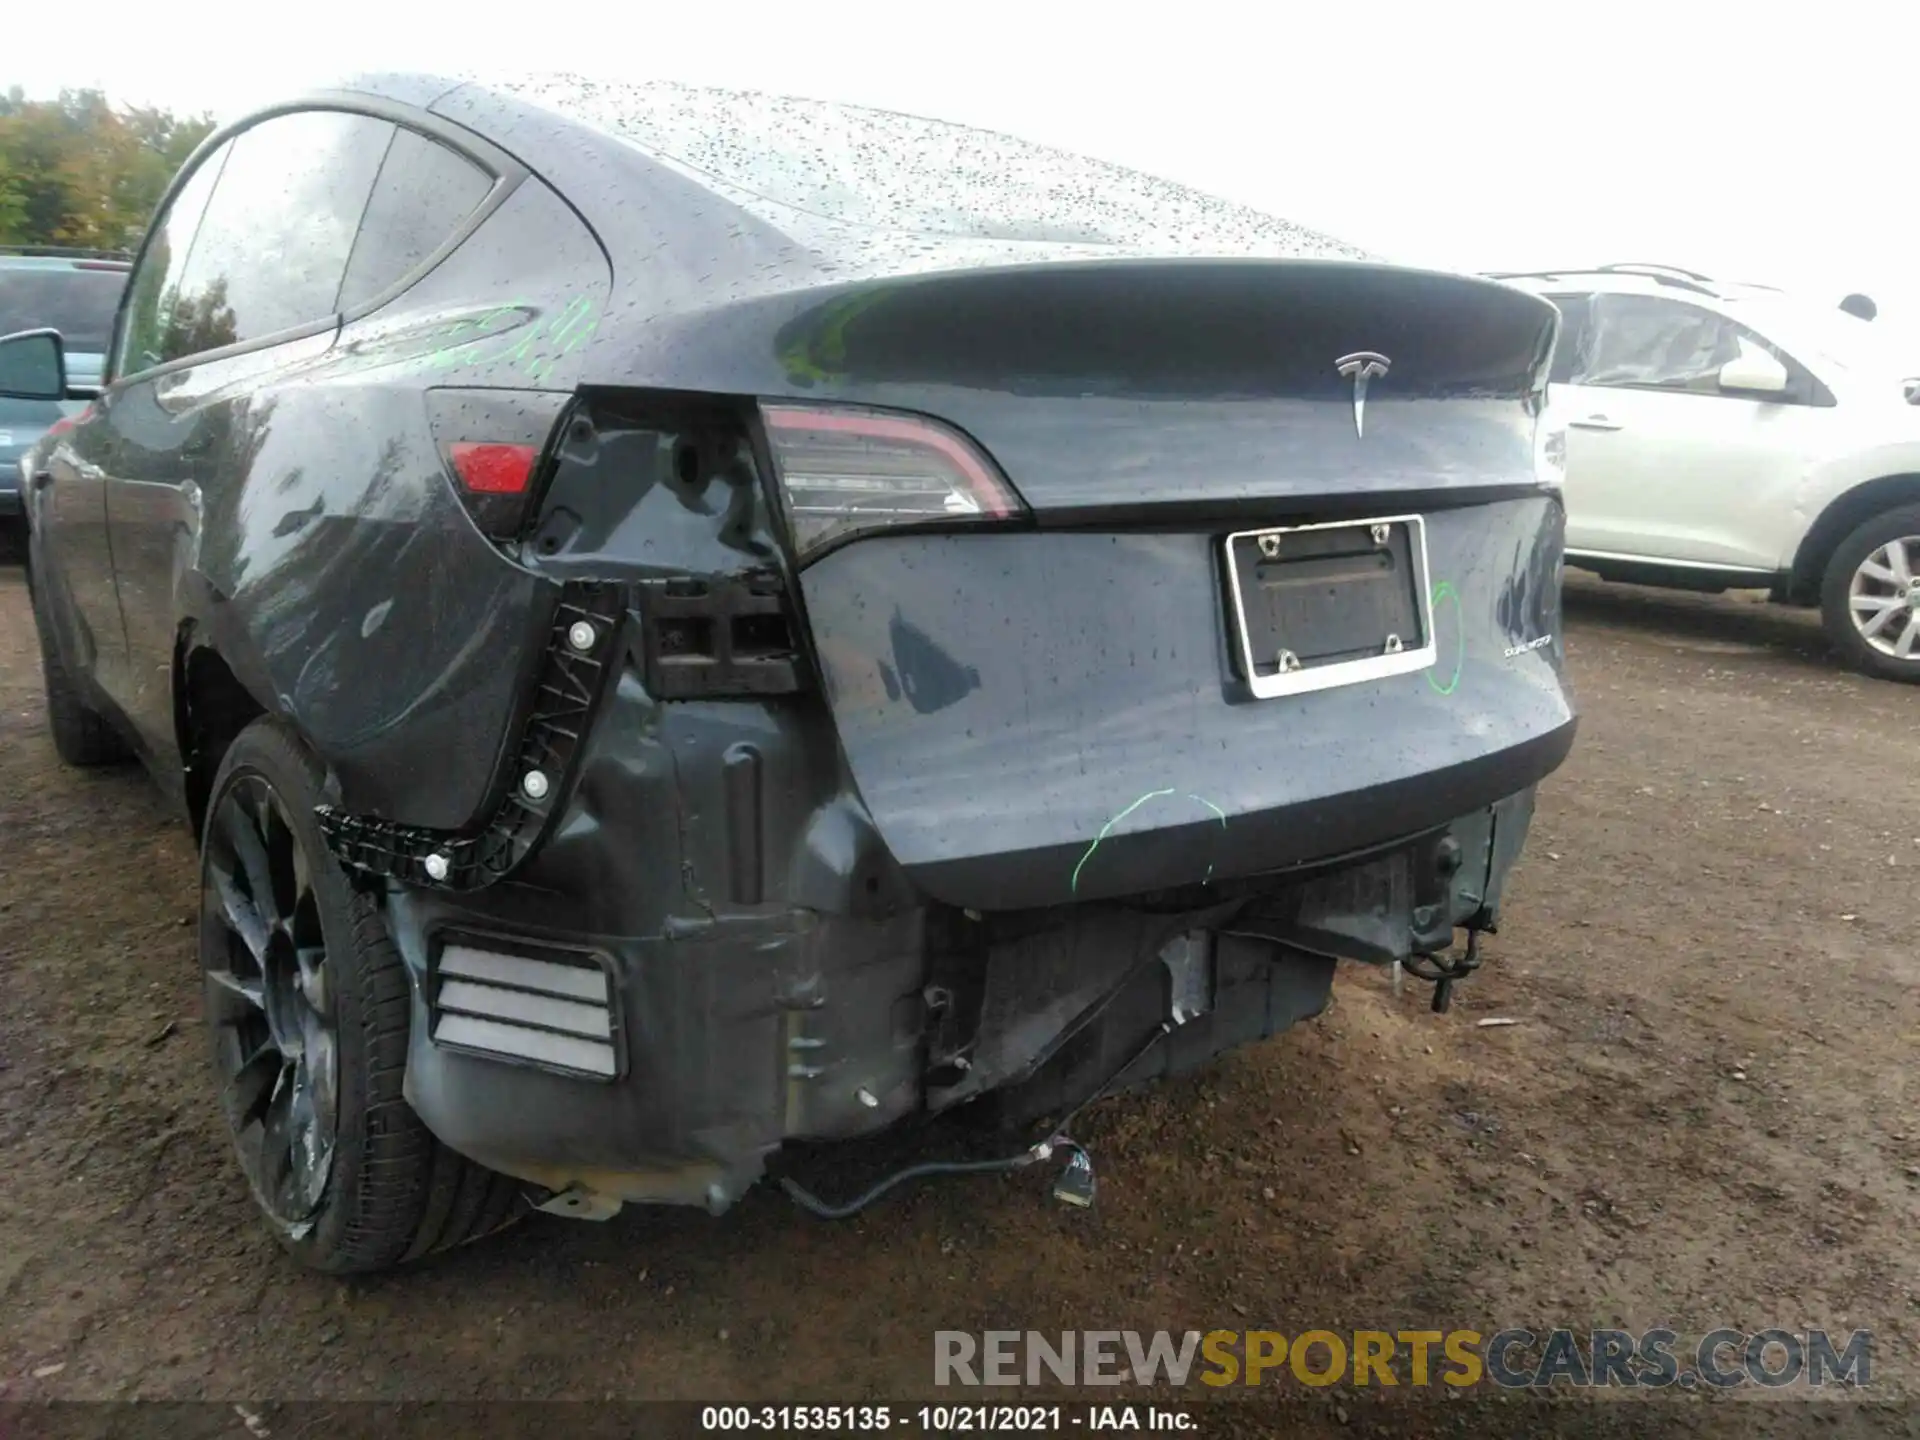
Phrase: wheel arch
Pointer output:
(211, 706)
(1844, 513)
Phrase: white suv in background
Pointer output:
(1728, 436)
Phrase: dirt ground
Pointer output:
(1701, 1118)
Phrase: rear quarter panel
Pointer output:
(338, 571)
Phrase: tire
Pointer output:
(81, 735)
(1847, 591)
(308, 1012)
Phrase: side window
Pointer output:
(274, 241)
(1570, 350)
(161, 266)
(1649, 342)
(423, 194)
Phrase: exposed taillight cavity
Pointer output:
(492, 442)
(847, 471)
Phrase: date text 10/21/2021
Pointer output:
(944, 1419)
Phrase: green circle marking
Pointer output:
(1445, 591)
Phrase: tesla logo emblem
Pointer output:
(1362, 365)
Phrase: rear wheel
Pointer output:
(81, 735)
(308, 1007)
(1870, 596)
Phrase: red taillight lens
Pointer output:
(492, 442)
(496, 482)
(493, 469)
(847, 471)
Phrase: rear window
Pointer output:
(77, 303)
(886, 171)
(423, 194)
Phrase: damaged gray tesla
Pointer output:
(688, 622)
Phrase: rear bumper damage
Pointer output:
(803, 988)
(777, 855)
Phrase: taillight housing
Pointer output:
(846, 470)
(492, 443)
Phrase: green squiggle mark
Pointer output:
(1073, 888)
(1107, 829)
(1207, 879)
(1445, 591)
(1213, 807)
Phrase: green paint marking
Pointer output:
(1213, 807)
(536, 351)
(819, 354)
(1445, 591)
(1073, 887)
(1107, 829)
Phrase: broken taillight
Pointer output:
(846, 471)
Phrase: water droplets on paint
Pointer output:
(908, 175)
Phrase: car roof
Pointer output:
(702, 133)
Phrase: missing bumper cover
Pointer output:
(582, 646)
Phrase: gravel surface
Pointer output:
(1701, 1116)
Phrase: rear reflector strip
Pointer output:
(555, 1013)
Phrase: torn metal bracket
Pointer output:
(1189, 962)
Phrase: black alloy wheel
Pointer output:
(310, 1015)
(269, 1000)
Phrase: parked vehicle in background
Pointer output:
(686, 621)
(1725, 436)
(74, 292)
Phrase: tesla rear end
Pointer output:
(1018, 679)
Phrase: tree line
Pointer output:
(78, 171)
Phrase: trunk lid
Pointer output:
(1068, 712)
(1130, 385)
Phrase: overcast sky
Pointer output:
(1765, 141)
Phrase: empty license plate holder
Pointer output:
(1338, 603)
